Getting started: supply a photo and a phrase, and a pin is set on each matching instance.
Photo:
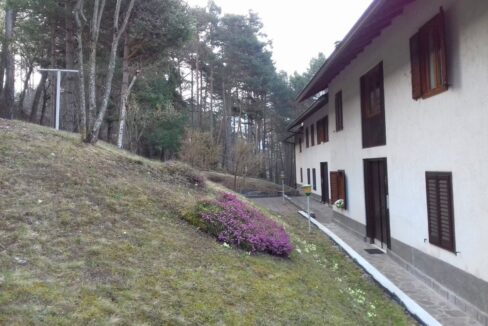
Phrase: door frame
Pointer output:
(324, 181)
(370, 219)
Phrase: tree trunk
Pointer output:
(81, 67)
(69, 114)
(20, 106)
(45, 98)
(118, 31)
(125, 92)
(211, 104)
(8, 93)
(192, 103)
(37, 97)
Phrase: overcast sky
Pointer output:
(299, 29)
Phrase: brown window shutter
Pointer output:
(341, 186)
(415, 64)
(443, 51)
(319, 138)
(312, 134)
(440, 210)
(334, 193)
(306, 138)
(326, 129)
(432, 210)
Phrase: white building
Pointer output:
(402, 136)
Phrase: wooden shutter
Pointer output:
(338, 111)
(312, 134)
(443, 51)
(326, 129)
(301, 175)
(314, 179)
(308, 176)
(415, 65)
(341, 186)
(440, 210)
(306, 138)
(334, 192)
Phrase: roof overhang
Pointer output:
(316, 106)
(377, 17)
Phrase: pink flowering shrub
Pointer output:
(233, 222)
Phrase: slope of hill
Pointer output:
(92, 235)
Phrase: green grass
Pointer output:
(90, 235)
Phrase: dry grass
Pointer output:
(247, 185)
(90, 235)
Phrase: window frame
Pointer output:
(421, 55)
(437, 176)
(373, 120)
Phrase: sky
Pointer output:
(299, 29)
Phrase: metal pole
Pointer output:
(58, 97)
(58, 91)
(308, 212)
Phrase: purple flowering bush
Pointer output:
(233, 222)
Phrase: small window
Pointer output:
(440, 209)
(373, 108)
(314, 180)
(301, 175)
(312, 135)
(338, 111)
(307, 144)
(428, 59)
(338, 187)
(308, 176)
(300, 144)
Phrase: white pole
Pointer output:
(308, 213)
(58, 97)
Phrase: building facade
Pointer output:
(401, 136)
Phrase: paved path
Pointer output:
(441, 309)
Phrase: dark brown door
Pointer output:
(324, 181)
(376, 190)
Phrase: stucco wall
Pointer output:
(447, 132)
(311, 157)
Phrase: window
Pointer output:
(308, 176)
(306, 138)
(373, 108)
(338, 187)
(300, 144)
(312, 135)
(428, 59)
(440, 209)
(338, 111)
(314, 180)
(323, 130)
(301, 175)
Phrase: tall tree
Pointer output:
(93, 124)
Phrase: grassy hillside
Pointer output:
(90, 235)
(248, 185)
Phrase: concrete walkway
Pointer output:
(441, 309)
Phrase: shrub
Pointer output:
(233, 222)
(188, 174)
